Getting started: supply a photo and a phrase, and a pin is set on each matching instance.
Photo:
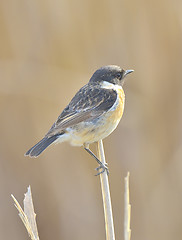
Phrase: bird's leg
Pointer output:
(101, 165)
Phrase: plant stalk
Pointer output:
(109, 224)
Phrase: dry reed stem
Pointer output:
(28, 216)
(109, 224)
(127, 210)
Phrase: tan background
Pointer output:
(48, 50)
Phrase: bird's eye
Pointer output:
(119, 76)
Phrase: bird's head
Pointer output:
(111, 73)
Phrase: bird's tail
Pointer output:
(36, 150)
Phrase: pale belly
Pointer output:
(90, 132)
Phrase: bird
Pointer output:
(93, 113)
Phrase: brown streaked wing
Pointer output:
(90, 102)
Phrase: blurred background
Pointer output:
(48, 50)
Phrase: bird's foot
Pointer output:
(103, 167)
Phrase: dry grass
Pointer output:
(127, 210)
(28, 215)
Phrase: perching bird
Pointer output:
(93, 113)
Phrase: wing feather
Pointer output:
(91, 101)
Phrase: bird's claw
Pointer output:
(104, 168)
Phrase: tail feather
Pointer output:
(36, 150)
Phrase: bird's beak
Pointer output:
(128, 72)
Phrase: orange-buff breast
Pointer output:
(118, 112)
